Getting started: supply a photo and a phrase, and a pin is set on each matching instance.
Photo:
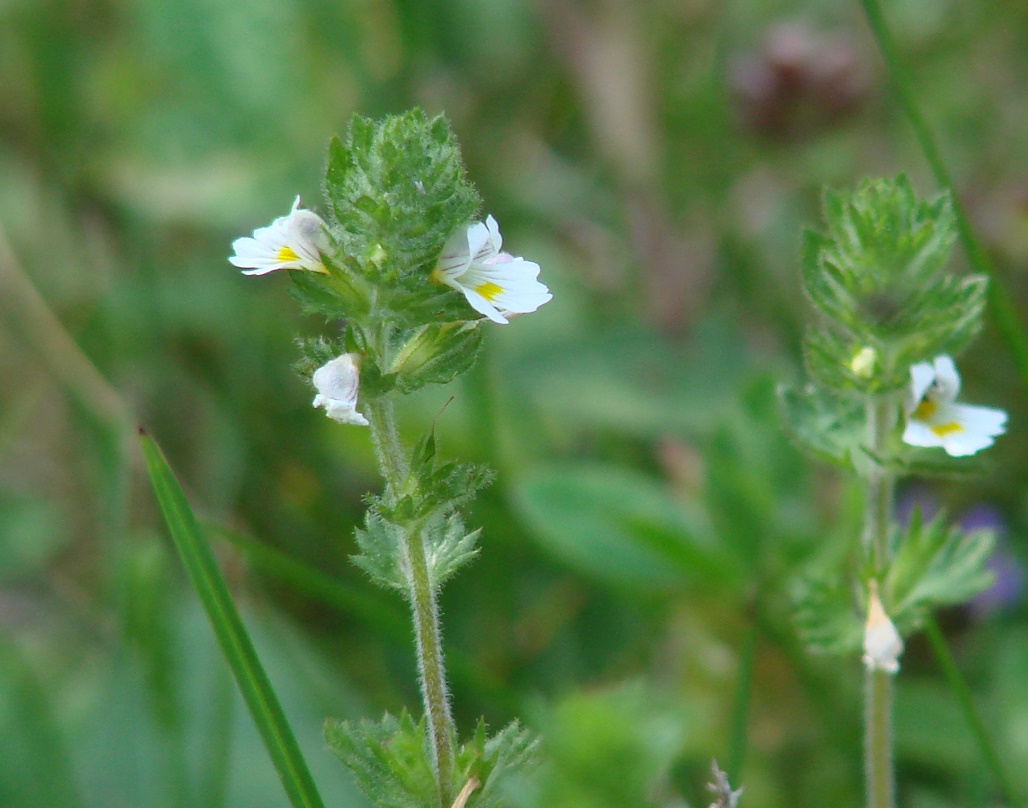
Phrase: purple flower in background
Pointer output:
(1008, 585)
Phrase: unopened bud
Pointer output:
(882, 643)
(864, 362)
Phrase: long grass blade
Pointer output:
(974, 720)
(228, 627)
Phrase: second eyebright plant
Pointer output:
(407, 277)
(882, 404)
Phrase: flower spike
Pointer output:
(495, 283)
(337, 383)
(293, 241)
(934, 418)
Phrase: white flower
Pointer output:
(495, 283)
(882, 643)
(935, 419)
(337, 382)
(294, 241)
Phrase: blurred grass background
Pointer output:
(658, 159)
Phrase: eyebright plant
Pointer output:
(881, 403)
(405, 276)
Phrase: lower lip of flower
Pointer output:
(942, 430)
(286, 254)
(490, 291)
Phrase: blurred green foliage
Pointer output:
(659, 161)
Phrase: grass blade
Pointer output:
(974, 720)
(228, 628)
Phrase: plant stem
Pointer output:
(881, 417)
(878, 739)
(422, 598)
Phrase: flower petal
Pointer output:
(294, 241)
(337, 383)
(947, 380)
(922, 376)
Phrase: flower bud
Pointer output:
(337, 383)
(882, 643)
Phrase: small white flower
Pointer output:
(495, 283)
(294, 241)
(935, 419)
(337, 382)
(882, 643)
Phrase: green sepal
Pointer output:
(935, 565)
(315, 352)
(391, 764)
(436, 354)
(335, 295)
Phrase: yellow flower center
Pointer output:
(489, 290)
(942, 430)
(286, 254)
(925, 410)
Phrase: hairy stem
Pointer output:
(422, 598)
(878, 503)
(879, 777)
(878, 739)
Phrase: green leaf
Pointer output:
(449, 547)
(379, 542)
(821, 421)
(231, 634)
(828, 615)
(935, 565)
(623, 528)
(388, 758)
(491, 759)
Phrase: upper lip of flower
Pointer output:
(337, 383)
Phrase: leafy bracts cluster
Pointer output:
(426, 506)
(396, 191)
(878, 279)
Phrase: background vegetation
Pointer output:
(641, 546)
